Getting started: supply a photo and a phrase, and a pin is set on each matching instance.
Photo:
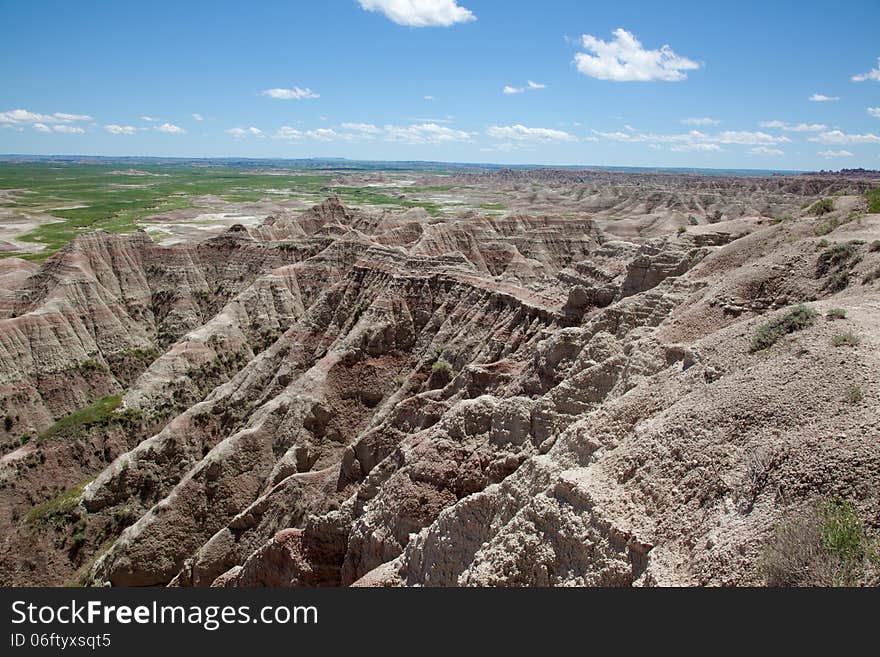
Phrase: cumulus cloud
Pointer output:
(114, 129)
(831, 154)
(701, 121)
(42, 127)
(149, 119)
(699, 146)
(68, 129)
(794, 127)
(171, 129)
(839, 137)
(318, 134)
(821, 98)
(366, 128)
(240, 133)
(518, 90)
(197, 116)
(421, 13)
(873, 74)
(624, 59)
(691, 139)
(296, 93)
(874, 111)
(522, 133)
(20, 117)
(763, 150)
(425, 133)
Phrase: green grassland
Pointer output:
(115, 202)
(110, 196)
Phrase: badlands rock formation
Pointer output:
(338, 397)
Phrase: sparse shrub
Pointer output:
(768, 333)
(7, 423)
(823, 243)
(848, 339)
(715, 217)
(875, 246)
(825, 545)
(873, 196)
(836, 313)
(821, 207)
(838, 261)
(442, 368)
(854, 394)
(871, 276)
(826, 227)
(682, 230)
(692, 220)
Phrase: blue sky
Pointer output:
(587, 82)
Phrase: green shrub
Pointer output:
(848, 339)
(819, 208)
(442, 367)
(799, 318)
(873, 197)
(825, 545)
(836, 313)
(875, 246)
(854, 394)
(682, 230)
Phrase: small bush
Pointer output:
(873, 196)
(836, 313)
(854, 394)
(682, 230)
(823, 546)
(875, 246)
(819, 208)
(799, 318)
(715, 217)
(442, 367)
(848, 339)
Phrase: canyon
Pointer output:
(618, 379)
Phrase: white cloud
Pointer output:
(821, 98)
(838, 137)
(763, 150)
(685, 148)
(290, 94)
(421, 13)
(831, 154)
(326, 134)
(428, 98)
(25, 117)
(240, 133)
(366, 128)
(789, 127)
(518, 90)
(286, 132)
(149, 119)
(114, 129)
(624, 59)
(42, 127)
(740, 137)
(873, 74)
(874, 111)
(197, 116)
(171, 129)
(425, 133)
(522, 133)
(68, 129)
(701, 121)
